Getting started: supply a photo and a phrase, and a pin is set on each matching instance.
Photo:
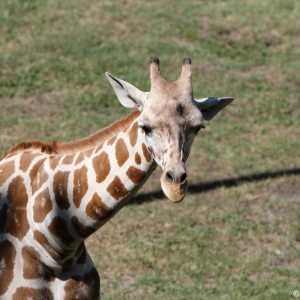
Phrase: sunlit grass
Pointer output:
(224, 242)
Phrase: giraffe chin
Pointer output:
(175, 191)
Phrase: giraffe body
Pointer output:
(53, 196)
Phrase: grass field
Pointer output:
(237, 233)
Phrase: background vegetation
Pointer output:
(237, 233)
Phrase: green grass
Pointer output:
(229, 239)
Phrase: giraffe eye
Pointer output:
(147, 129)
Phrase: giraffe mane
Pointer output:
(57, 147)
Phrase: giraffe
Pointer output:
(55, 195)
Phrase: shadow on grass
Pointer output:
(212, 185)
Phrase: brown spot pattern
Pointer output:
(135, 175)
(86, 287)
(43, 241)
(89, 152)
(38, 176)
(26, 159)
(31, 293)
(122, 153)
(60, 186)
(68, 159)
(111, 141)
(59, 228)
(133, 134)
(117, 189)
(81, 230)
(97, 210)
(146, 153)
(79, 158)
(17, 219)
(54, 162)
(137, 159)
(33, 268)
(98, 148)
(42, 206)
(80, 185)
(7, 259)
(6, 170)
(101, 166)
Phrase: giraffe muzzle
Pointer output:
(174, 185)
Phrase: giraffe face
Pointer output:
(170, 118)
(170, 122)
(169, 141)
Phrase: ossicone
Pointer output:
(154, 60)
(187, 61)
(155, 75)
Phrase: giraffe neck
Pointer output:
(108, 176)
(75, 194)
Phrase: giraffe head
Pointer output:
(170, 119)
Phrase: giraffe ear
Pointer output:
(128, 95)
(210, 106)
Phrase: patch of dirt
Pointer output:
(287, 188)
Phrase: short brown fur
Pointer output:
(42, 206)
(56, 147)
(30, 293)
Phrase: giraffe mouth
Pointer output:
(175, 191)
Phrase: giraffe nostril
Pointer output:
(170, 177)
(183, 178)
(178, 178)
